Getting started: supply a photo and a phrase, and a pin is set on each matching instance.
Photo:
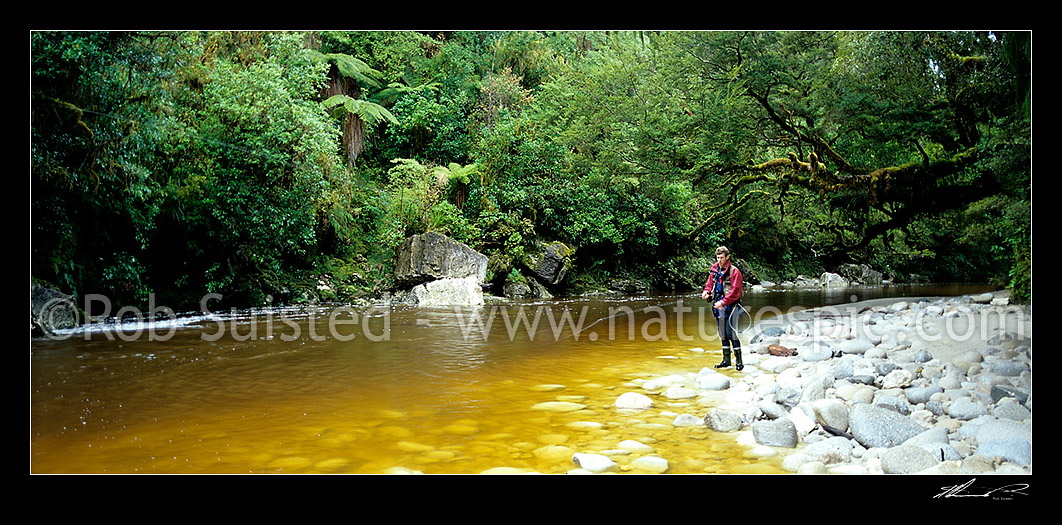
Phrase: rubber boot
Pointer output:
(726, 359)
(737, 359)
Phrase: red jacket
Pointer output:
(731, 290)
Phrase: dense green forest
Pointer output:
(257, 165)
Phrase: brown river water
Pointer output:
(343, 390)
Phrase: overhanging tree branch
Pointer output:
(901, 193)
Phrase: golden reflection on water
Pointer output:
(427, 399)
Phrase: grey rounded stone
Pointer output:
(772, 410)
(906, 459)
(775, 433)
(921, 394)
(721, 420)
(896, 404)
(830, 450)
(1012, 411)
(874, 426)
(965, 409)
(1014, 450)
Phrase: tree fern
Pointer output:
(349, 67)
(457, 172)
(395, 90)
(370, 112)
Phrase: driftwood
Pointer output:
(781, 350)
(836, 432)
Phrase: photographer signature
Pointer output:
(961, 491)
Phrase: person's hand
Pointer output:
(704, 295)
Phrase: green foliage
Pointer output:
(348, 67)
(430, 126)
(213, 181)
(417, 201)
(370, 112)
(183, 163)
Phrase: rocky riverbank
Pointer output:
(927, 386)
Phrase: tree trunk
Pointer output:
(353, 125)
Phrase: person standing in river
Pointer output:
(723, 290)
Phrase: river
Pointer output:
(344, 390)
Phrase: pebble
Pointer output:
(558, 406)
(595, 463)
(634, 401)
(650, 464)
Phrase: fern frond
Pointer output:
(349, 67)
(370, 112)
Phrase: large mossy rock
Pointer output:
(525, 288)
(433, 256)
(550, 262)
(50, 310)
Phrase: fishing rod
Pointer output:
(734, 320)
(641, 310)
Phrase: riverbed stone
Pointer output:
(803, 419)
(896, 404)
(1009, 368)
(776, 364)
(998, 392)
(831, 450)
(1011, 410)
(935, 441)
(633, 445)
(633, 401)
(991, 429)
(772, 410)
(855, 392)
(899, 378)
(594, 462)
(650, 464)
(832, 413)
(775, 432)
(558, 406)
(874, 426)
(554, 453)
(906, 459)
(815, 351)
(1014, 450)
(855, 346)
(769, 332)
(679, 392)
(721, 420)
(921, 394)
(712, 381)
(686, 420)
(966, 408)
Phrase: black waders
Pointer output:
(727, 332)
(726, 358)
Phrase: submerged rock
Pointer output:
(634, 400)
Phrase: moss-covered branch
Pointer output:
(900, 192)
